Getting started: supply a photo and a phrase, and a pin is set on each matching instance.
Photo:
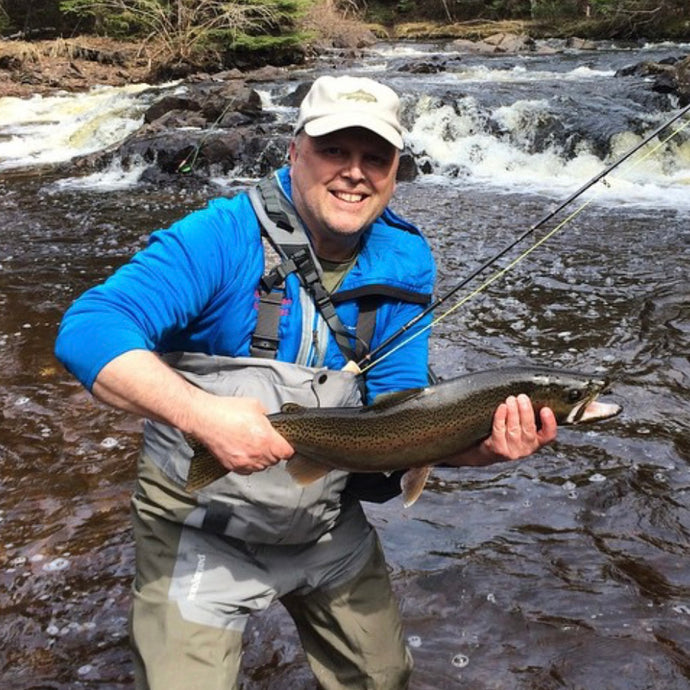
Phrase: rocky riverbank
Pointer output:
(45, 67)
(76, 64)
(218, 127)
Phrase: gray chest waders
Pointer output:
(266, 507)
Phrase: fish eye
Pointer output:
(574, 395)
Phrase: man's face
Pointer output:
(341, 182)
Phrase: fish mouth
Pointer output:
(591, 409)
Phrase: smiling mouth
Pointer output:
(349, 197)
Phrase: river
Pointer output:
(567, 570)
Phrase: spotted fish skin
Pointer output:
(418, 427)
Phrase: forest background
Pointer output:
(49, 44)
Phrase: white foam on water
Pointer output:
(459, 143)
(411, 50)
(597, 478)
(460, 661)
(112, 178)
(522, 74)
(56, 565)
(52, 129)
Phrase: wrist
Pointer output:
(190, 416)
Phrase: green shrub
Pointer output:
(184, 29)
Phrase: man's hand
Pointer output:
(238, 433)
(234, 429)
(514, 434)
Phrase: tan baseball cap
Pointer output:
(335, 103)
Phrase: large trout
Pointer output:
(417, 428)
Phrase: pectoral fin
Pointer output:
(413, 483)
(305, 471)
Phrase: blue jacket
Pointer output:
(194, 289)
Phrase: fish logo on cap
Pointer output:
(360, 95)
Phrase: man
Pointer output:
(172, 336)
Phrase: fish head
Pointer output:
(573, 397)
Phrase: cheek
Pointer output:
(385, 186)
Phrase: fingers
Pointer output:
(263, 448)
(549, 425)
(237, 431)
(514, 432)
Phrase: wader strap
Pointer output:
(288, 236)
(366, 322)
(265, 339)
(218, 514)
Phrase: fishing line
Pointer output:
(187, 164)
(366, 362)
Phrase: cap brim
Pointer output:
(332, 123)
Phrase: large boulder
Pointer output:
(207, 128)
(511, 43)
(502, 42)
(668, 76)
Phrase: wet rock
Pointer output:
(212, 128)
(294, 98)
(248, 150)
(426, 167)
(231, 97)
(465, 45)
(426, 67)
(683, 79)
(580, 43)
(407, 170)
(211, 99)
(642, 69)
(177, 119)
(544, 49)
(670, 76)
(504, 43)
(168, 103)
(267, 73)
(511, 43)
(224, 76)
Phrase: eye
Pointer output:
(332, 151)
(574, 395)
(378, 161)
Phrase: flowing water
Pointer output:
(566, 570)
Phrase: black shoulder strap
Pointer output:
(366, 322)
(289, 238)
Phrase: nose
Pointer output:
(354, 168)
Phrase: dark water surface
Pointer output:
(568, 570)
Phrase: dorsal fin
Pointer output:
(388, 399)
(291, 408)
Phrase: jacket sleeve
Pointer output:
(404, 363)
(153, 296)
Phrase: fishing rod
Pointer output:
(366, 361)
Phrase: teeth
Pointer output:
(352, 198)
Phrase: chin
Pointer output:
(348, 231)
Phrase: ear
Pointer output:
(292, 151)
